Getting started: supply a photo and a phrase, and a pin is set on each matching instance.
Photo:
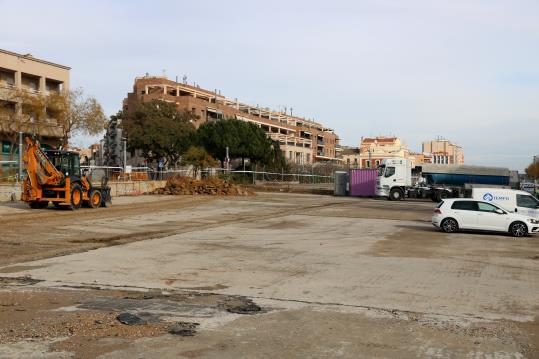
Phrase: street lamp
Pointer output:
(124, 140)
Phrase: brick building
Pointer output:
(301, 140)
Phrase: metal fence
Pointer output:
(9, 171)
(240, 176)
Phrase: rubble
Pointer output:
(184, 329)
(180, 185)
(130, 319)
(241, 305)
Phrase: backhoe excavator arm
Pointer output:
(39, 168)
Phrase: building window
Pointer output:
(377, 163)
(368, 164)
(6, 146)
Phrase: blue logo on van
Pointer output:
(488, 197)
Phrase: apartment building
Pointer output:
(444, 151)
(301, 140)
(25, 74)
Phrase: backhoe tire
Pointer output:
(38, 204)
(94, 198)
(75, 198)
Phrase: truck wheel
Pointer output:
(395, 194)
(75, 200)
(518, 229)
(95, 198)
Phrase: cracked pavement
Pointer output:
(335, 277)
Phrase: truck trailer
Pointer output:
(397, 180)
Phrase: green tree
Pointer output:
(199, 158)
(159, 129)
(243, 139)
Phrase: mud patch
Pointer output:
(18, 281)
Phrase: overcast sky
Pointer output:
(465, 70)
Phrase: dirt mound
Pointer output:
(177, 185)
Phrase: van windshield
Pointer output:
(527, 201)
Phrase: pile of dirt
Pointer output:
(177, 185)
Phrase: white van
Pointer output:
(512, 200)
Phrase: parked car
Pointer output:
(451, 215)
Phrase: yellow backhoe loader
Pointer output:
(55, 176)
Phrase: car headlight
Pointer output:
(533, 221)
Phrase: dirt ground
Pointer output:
(275, 275)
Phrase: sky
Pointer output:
(464, 70)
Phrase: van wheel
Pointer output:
(395, 194)
(518, 229)
(449, 225)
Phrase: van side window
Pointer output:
(465, 205)
(526, 201)
(485, 207)
(390, 171)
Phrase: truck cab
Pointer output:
(394, 176)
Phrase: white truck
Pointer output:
(398, 179)
(521, 202)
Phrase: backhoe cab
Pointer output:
(55, 176)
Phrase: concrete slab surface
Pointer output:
(336, 277)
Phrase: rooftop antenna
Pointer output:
(184, 79)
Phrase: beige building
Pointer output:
(373, 150)
(419, 158)
(350, 156)
(302, 141)
(22, 76)
(444, 151)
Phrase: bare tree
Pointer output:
(58, 114)
(77, 113)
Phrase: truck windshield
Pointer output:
(381, 170)
(390, 171)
